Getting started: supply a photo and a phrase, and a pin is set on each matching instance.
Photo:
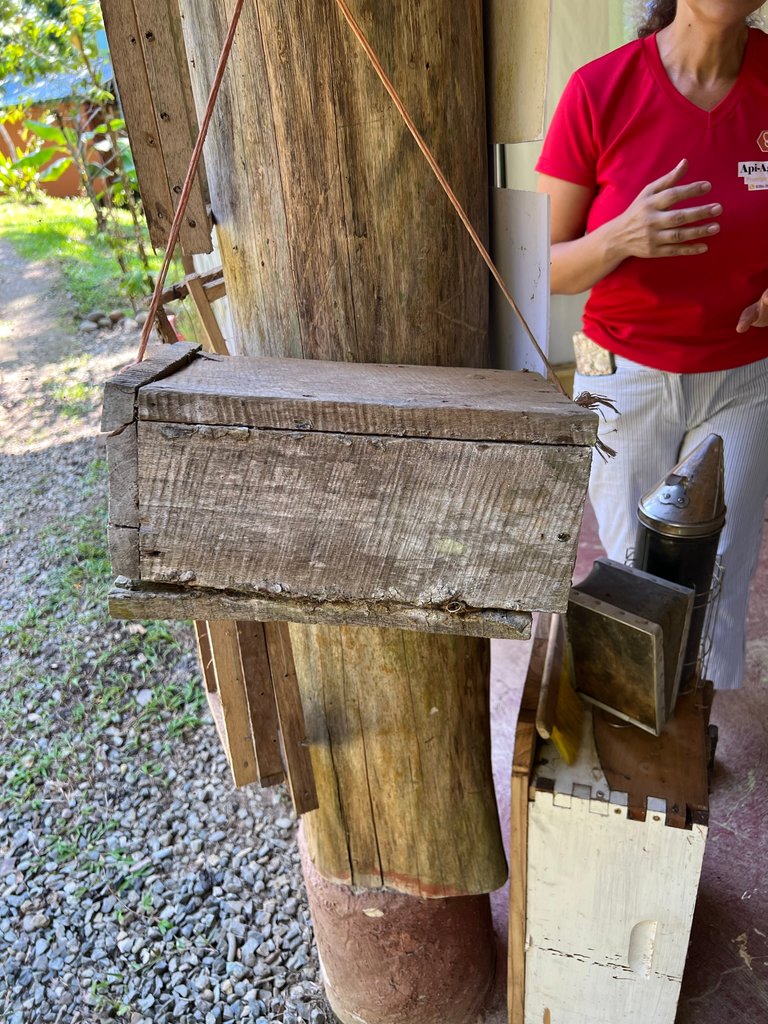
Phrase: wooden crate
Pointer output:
(440, 499)
(606, 858)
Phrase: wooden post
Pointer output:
(337, 243)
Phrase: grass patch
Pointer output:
(71, 679)
(63, 231)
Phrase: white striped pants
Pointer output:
(664, 416)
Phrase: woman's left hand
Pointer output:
(755, 315)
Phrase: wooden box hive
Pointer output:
(440, 499)
(605, 862)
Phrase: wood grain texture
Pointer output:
(136, 100)
(119, 407)
(123, 469)
(262, 708)
(346, 518)
(159, 24)
(205, 655)
(230, 685)
(413, 401)
(326, 212)
(670, 767)
(212, 281)
(298, 761)
(403, 781)
(124, 551)
(173, 602)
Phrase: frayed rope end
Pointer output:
(597, 403)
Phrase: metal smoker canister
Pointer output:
(679, 526)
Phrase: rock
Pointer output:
(96, 315)
(130, 324)
(116, 316)
(87, 326)
(34, 922)
(104, 322)
(140, 317)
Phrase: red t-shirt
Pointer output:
(620, 125)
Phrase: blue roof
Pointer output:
(15, 92)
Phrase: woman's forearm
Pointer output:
(577, 265)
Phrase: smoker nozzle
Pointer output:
(689, 501)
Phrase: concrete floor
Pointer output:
(726, 977)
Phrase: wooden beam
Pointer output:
(262, 707)
(155, 601)
(136, 99)
(211, 280)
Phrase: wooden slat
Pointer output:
(159, 602)
(327, 517)
(417, 401)
(159, 25)
(122, 463)
(230, 685)
(211, 280)
(205, 655)
(201, 299)
(522, 767)
(131, 74)
(670, 767)
(120, 391)
(262, 706)
(298, 761)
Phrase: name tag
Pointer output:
(755, 174)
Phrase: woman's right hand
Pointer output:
(651, 228)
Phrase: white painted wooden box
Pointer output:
(605, 862)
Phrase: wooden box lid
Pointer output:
(360, 398)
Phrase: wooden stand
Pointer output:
(608, 854)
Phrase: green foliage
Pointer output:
(44, 37)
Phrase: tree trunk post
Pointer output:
(337, 243)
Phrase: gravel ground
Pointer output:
(135, 883)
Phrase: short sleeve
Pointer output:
(570, 147)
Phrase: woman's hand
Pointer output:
(755, 315)
(650, 228)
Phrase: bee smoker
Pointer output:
(679, 524)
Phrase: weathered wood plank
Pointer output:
(416, 401)
(123, 469)
(124, 551)
(298, 761)
(136, 100)
(211, 280)
(230, 685)
(436, 524)
(120, 391)
(159, 23)
(202, 302)
(262, 707)
(205, 655)
(160, 602)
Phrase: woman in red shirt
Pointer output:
(656, 163)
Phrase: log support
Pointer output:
(336, 243)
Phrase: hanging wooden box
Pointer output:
(439, 499)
